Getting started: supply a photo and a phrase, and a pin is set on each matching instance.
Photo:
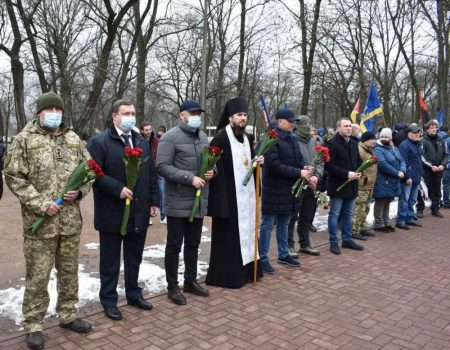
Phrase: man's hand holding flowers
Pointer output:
(126, 193)
(198, 182)
(353, 175)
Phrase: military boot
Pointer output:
(35, 340)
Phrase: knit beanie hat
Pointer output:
(386, 132)
(47, 100)
(368, 136)
(304, 120)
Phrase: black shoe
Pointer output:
(310, 251)
(312, 228)
(113, 313)
(351, 245)
(78, 325)
(437, 213)
(413, 224)
(359, 237)
(390, 228)
(35, 340)
(140, 303)
(419, 214)
(367, 233)
(334, 248)
(381, 229)
(402, 226)
(195, 288)
(176, 296)
(446, 206)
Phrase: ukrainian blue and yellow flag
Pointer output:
(372, 109)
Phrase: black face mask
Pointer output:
(385, 142)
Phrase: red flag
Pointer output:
(424, 117)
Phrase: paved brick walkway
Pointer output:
(394, 295)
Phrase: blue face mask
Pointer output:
(194, 121)
(52, 120)
(127, 123)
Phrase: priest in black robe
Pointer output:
(232, 205)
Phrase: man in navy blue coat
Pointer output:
(283, 166)
(110, 193)
(344, 160)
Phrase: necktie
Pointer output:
(126, 138)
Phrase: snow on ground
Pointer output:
(151, 275)
(321, 221)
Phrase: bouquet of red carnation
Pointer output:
(366, 164)
(133, 164)
(86, 171)
(269, 139)
(209, 157)
(322, 156)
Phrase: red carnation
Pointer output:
(215, 150)
(374, 159)
(272, 134)
(95, 167)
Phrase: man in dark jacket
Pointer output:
(411, 152)
(283, 166)
(178, 162)
(434, 160)
(110, 193)
(344, 160)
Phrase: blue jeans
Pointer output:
(161, 197)
(406, 203)
(265, 232)
(446, 187)
(340, 207)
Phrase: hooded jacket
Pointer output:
(390, 163)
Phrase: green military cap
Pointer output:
(49, 99)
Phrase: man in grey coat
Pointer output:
(307, 199)
(178, 162)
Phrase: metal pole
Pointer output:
(204, 56)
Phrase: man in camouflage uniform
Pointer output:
(365, 188)
(37, 167)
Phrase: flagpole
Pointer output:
(255, 256)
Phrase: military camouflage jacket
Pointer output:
(37, 167)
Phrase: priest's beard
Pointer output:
(238, 131)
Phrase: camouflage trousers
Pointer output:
(40, 255)
(362, 207)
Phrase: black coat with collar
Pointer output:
(344, 157)
(107, 149)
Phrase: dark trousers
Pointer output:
(110, 246)
(305, 216)
(177, 230)
(433, 181)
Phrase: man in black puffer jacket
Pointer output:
(283, 166)
(434, 160)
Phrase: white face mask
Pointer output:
(194, 121)
(52, 120)
(127, 123)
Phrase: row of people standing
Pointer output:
(44, 154)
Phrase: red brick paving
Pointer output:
(394, 295)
